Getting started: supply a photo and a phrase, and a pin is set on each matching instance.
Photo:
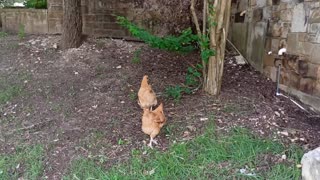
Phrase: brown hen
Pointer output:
(152, 122)
(147, 97)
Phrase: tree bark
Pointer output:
(218, 35)
(72, 24)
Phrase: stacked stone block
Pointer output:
(290, 24)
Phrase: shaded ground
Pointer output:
(82, 102)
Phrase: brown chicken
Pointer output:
(147, 97)
(152, 122)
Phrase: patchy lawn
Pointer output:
(209, 156)
(78, 108)
(24, 162)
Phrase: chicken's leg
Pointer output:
(152, 141)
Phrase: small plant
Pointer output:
(3, 34)
(193, 75)
(133, 95)
(182, 43)
(121, 142)
(21, 32)
(136, 56)
(176, 92)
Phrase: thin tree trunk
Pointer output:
(200, 35)
(72, 24)
(218, 35)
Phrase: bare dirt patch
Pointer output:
(82, 102)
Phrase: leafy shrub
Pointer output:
(182, 43)
(185, 43)
(37, 4)
(176, 92)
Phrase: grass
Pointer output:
(206, 157)
(3, 34)
(136, 56)
(12, 87)
(21, 33)
(133, 96)
(26, 162)
(9, 92)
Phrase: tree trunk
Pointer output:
(72, 24)
(218, 34)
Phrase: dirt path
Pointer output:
(82, 102)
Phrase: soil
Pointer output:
(83, 102)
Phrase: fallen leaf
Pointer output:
(203, 119)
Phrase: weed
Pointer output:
(133, 96)
(26, 162)
(205, 157)
(174, 92)
(193, 76)
(3, 34)
(136, 57)
(182, 43)
(121, 142)
(21, 32)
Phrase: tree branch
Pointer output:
(195, 18)
(204, 28)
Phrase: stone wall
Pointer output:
(159, 16)
(32, 20)
(269, 25)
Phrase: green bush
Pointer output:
(175, 92)
(37, 4)
(183, 43)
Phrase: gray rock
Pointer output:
(311, 165)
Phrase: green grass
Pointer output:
(26, 162)
(9, 92)
(12, 86)
(3, 34)
(21, 33)
(206, 157)
(136, 56)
